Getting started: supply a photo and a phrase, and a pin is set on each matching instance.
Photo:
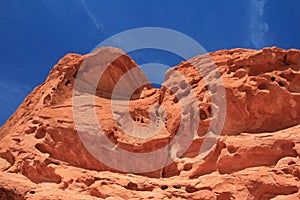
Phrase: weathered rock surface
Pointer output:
(255, 157)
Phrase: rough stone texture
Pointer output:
(256, 157)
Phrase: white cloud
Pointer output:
(98, 24)
(258, 25)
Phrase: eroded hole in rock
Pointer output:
(281, 84)
(164, 187)
(273, 78)
(35, 121)
(194, 86)
(8, 156)
(241, 73)
(187, 166)
(171, 170)
(231, 149)
(175, 100)
(262, 86)
(52, 161)
(112, 138)
(292, 162)
(131, 186)
(176, 187)
(74, 75)
(190, 189)
(203, 115)
(235, 68)
(47, 99)
(67, 83)
(32, 192)
(195, 82)
(40, 133)
(286, 171)
(30, 130)
(17, 140)
(41, 147)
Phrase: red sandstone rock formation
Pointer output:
(255, 157)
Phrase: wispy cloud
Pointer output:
(258, 24)
(11, 96)
(13, 88)
(97, 23)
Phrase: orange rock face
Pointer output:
(48, 152)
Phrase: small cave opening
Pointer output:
(176, 187)
(281, 84)
(273, 78)
(32, 192)
(164, 187)
(67, 83)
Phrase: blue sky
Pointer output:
(34, 34)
